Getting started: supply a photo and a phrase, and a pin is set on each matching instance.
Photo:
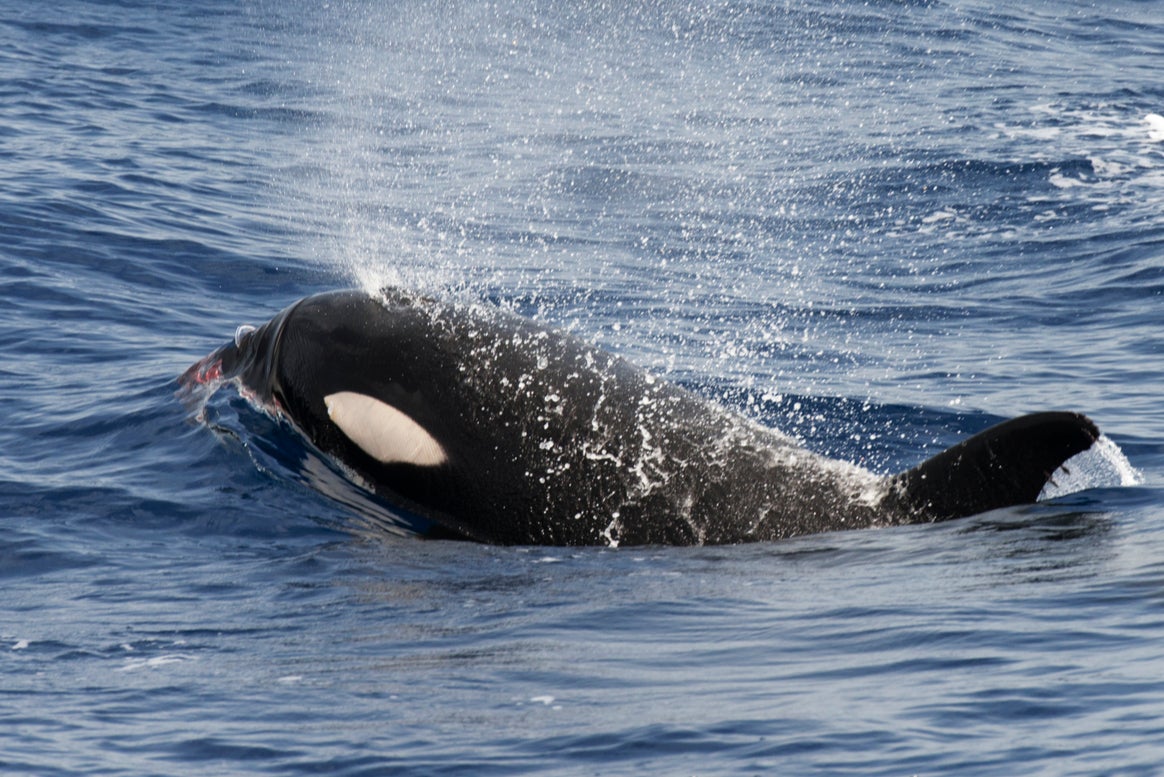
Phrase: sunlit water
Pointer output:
(877, 227)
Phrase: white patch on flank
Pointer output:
(383, 432)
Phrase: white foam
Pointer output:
(941, 215)
(1122, 147)
(134, 664)
(611, 530)
(1103, 465)
(1155, 124)
(1060, 181)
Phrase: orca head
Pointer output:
(321, 364)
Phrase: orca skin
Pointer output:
(497, 429)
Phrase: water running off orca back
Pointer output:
(497, 429)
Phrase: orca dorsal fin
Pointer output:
(1005, 465)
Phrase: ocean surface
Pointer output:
(878, 226)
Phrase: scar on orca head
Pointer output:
(385, 433)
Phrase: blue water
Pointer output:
(878, 226)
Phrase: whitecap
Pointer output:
(156, 662)
(1103, 465)
(1155, 124)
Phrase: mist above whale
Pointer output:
(497, 429)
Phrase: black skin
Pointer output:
(551, 441)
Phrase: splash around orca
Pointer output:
(497, 429)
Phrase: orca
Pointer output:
(497, 429)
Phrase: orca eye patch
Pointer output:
(385, 433)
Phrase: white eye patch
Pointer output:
(383, 432)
